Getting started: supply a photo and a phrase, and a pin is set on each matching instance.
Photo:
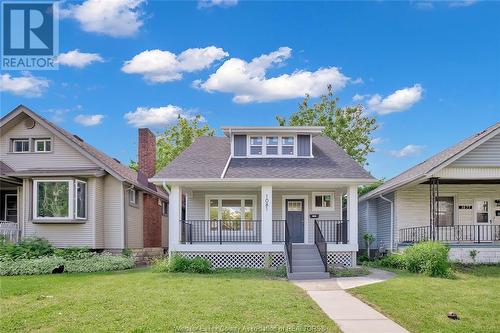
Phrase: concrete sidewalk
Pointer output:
(348, 312)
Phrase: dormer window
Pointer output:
(20, 145)
(256, 145)
(272, 145)
(287, 144)
(43, 145)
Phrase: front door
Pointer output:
(295, 219)
(11, 207)
(482, 210)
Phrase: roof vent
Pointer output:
(78, 138)
(29, 123)
(117, 160)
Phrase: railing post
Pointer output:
(479, 234)
(220, 230)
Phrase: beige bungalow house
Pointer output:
(55, 185)
(452, 197)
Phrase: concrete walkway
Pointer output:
(348, 312)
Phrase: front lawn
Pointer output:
(142, 301)
(421, 303)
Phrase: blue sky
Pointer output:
(429, 72)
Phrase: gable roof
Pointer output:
(109, 164)
(432, 164)
(208, 157)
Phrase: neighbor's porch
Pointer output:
(10, 208)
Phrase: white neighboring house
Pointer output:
(265, 196)
(452, 197)
(56, 186)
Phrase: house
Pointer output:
(265, 196)
(453, 197)
(55, 185)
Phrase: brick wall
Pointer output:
(152, 221)
(147, 152)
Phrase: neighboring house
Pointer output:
(453, 197)
(260, 195)
(56, 186)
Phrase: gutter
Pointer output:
(392, 220)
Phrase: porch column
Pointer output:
(352, 214)
(174, 216)
(266, 207)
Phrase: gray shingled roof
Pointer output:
(110, 163)
(207, 157)
(5, 169)
(428, 165)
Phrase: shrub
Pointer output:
(199, 265)
(349, 271)
(30, 266)
(98, 263)
(178, 263)
(160, 265)
(429, 258)
(73, 253)
(28, 248)
(396, 261)
(363, 258)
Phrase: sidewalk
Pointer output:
(348, 312)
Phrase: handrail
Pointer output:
(472, 233)
(278, 231)
(320, 242)
(288, 247)
(334, 231)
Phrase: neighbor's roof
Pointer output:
(109, 164)
(314, 130)
(441, 159)
(208, 156)
(5, 169)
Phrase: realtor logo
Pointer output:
(30, 39)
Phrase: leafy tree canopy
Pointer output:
(348, 126)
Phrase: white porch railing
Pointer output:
(10, 230)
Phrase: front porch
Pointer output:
(253, 225)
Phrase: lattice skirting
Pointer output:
(340, 258)
(240, 259)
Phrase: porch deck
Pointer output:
(457, 234)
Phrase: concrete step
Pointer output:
(309, 269)
(307, 262)
(308, 276)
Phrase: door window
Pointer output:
(294, 206)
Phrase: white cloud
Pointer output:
(78, 59)
(248, 81)
(398, 101)
(158, 66)
(463, 3)
(216, 3)
(116, 18)
(359, 98)
(358, 81)
(408, 150)
(25, 85)
(424, 5)
(376, 141)
(155, 117)
(89, 120)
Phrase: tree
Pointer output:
(348, 126)
(362, 190)
(176, 138)
(369, 238)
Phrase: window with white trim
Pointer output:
(287, 145)
(235, 213)
(43, 145)
(20, 145)
(63, 199)
(272, 145)
(323, 201)
(255, 145)
(132, 196)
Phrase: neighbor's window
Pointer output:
(287, 143)
(446, 208)
(43, 145)
(272, 145)
(232, 212)
(256, 145)
(80, 199)
(164, 207)
(52, 199)
(20, 145)
(323, 201)
(132, 196)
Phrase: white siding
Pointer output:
(487, 154)
(62, 154)
(412, 204)
(113, 213)
(99, 213)
(367, 215)
(469, 173)
(133, 220)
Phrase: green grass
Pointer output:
(420, 303)
(141, 301)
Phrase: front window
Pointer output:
(52, 199)
(43, 145)
(132, 197)
(164, 208)
(323, 201)
(233, 212)
(287, 143)
(482, 211)
(256, 145)
(272, 145)
(446, 208)
(20, 145)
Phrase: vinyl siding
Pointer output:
(367, 215)
(383, 209)
(99, 213)
(412, 204)
(113, 213)
(133, 220)
(62, 154)
(487, 154)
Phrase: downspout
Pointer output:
(392, 220)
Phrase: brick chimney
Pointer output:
(147, 152)
(151, 215)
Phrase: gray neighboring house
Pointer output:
(265, 196)
(452, 197)
(56, 186)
